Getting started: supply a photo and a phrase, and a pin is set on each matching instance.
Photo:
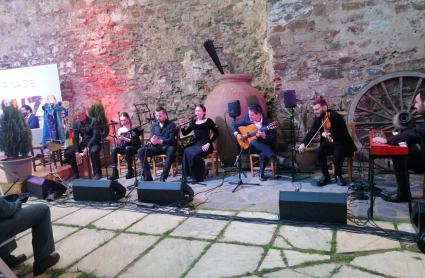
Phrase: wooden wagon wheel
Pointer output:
(386, 103)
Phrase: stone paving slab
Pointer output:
(168, 259)
(273, 259)
(218, 212)
(70, 275)
(59, 212)
(83, 216)
(254, 214)
(346, 271)
(385, 225)
(200, 228)
(296, 258)
(25, 243)
(226, 260)
(119, 220)
(321, 271)
(156, 224)
(406, 227)
(259, 234)
(353, 242)
(304, 238)
(112, 257)
(395, 263)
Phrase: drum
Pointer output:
(85, 168)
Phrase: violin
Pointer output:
(327, 125)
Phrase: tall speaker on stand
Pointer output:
(290, 100)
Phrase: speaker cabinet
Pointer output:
(313, 206)
(290, 98)
(41, 188)
(234, 108)
(164, 193)
(98, 190)
(418, 217)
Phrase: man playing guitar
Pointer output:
(263, 145)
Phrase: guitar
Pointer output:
(250, 132)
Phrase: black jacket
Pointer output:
(89, 131)
(339, 132)
(167, 133)
(414, 135)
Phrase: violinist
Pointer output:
(125, 146)
(334, 140)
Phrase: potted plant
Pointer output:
(307, 160)
(16, 142)
(97, 111)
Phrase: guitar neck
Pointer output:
(250, 134)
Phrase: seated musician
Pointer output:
(263, 145)
(415, 160)
(334, 140)
(163, 141)
(193, 163)
(88, 129)
(128, 144)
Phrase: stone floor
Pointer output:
(123, 240)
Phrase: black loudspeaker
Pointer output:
(98, 190)
(313, 206)
(164, 193)
(290, 98)
(41, 188)
(418, 217)
(234, 108)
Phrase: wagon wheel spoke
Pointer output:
(414, 93)
(401, 92)
(379, 103)
(388, 96)
(373, 123)
(374, 113)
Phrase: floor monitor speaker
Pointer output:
(41, 188)
(313, 206)
(164, 193)
(418, 217)
(98, 190)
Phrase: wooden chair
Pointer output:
(121, 157)
(273, 162)
(161, 159)
(38, 157)
(213, 158)
(352, 126)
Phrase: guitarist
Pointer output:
(264, 143)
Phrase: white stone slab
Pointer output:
(79, 244)
(59, 212)
(115, 255)
(83, 216)
(168, 259)
(346, 271)
(218, 212)
(225, 260)
(200, 228)
(260, 234)
(406, 227)
(273, 259)
(286, 273)
(304, 238)
(385, 225)
(70, 275)
(352, 242)
(296, 258)
(156, 224)
(254, 214)
(395, 264)
(320, 271)
(25, 243)
(118, 220)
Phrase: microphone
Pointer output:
(150, 119)
(193, 116)
(112, 123)
(173, 120)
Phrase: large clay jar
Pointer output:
(231, 87)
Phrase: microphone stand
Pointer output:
(104, 156)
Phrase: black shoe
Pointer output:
(114, 175)
(262, 177)
(340, 181)
(130, 174)
(395, 198)
(161, 179)
(40, 268)
(279, 159)
(324, 180)
(97, 176)
(11, 261)
(147, 178)
(75, 177)
(206, 173)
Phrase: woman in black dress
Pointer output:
(193, 163)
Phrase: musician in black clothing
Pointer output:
(415, 160)
(336, 141)
(163, 141)
(88, 129)
(128, 143)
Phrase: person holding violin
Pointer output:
(334, 140)
(128, 142)
(193, 163)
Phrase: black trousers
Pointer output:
(338, 151)
(146, 152)
(265, 151)
(36, 217)
(415, 162)
(94, 155)
(128, 151)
